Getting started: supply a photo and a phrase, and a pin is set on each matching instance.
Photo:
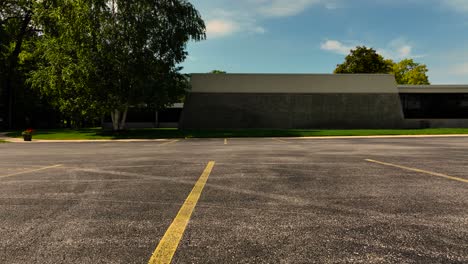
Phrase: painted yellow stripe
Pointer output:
(170, 241)
(225, 141)
(29, 171)
(167, 143)
(420, 171)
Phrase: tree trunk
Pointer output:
(119, 119)
(124, 119)
(156, 119)
(115, 119)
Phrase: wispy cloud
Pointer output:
(459, 5)
(222, 23)
(336, 46)
(284, 8)
(448, 66)
(401, 52)
(460, 69)
(246, 16)
(449, 72)
(397, 49)
(220, 28)
(192, 58)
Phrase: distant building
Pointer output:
(148, 118)
(307, 101)
(435, 105)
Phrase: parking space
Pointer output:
(284, 200)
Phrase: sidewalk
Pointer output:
(384, 136)
(20, 140)
(8, 139)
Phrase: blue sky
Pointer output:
(312, 36)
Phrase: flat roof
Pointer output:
(440, 88)
(311, 83)
(293, 83)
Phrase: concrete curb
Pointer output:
(19, 140)
(14, 140)
(383, 136)
(5, 138)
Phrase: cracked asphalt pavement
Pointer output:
(265, 201)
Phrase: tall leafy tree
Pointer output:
(364, 60)
(409, 72)
(15, 30)
(106, 55)
(367, 60)
(67, 72)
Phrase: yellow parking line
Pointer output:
(29, 171)
(225, 141)
(420, 171)
(168, 245)
(167, 143)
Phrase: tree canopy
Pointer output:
(367, 60)
(102, 56)
(364, 60)
(409, 72)
(217, 72)
(17, 35)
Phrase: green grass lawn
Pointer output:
(2, 141)
(98, 133)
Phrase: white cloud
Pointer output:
(459, 5)
(220, 28)
(448, 66)
(404, 51)
(331, 5)
(460, 69)
(258, 29)
(223, 23)
(336, 46)
(283, 8)
(192, 58)
(397, 49)
(396, 53)
(245, 16)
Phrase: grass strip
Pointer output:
(98, 133)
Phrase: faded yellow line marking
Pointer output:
(168, 245)
(170, 142)
(29, 171)
(280, 140)
(225, 141)
(419, 170)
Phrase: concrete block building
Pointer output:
(307, 101)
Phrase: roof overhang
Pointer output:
(433, 89)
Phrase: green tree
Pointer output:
(66, 72)
(102, 56)
(217, 72)
(367, 60)
(364, 60)
(409, 72)
(15, 30)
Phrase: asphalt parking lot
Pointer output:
(379, 200)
